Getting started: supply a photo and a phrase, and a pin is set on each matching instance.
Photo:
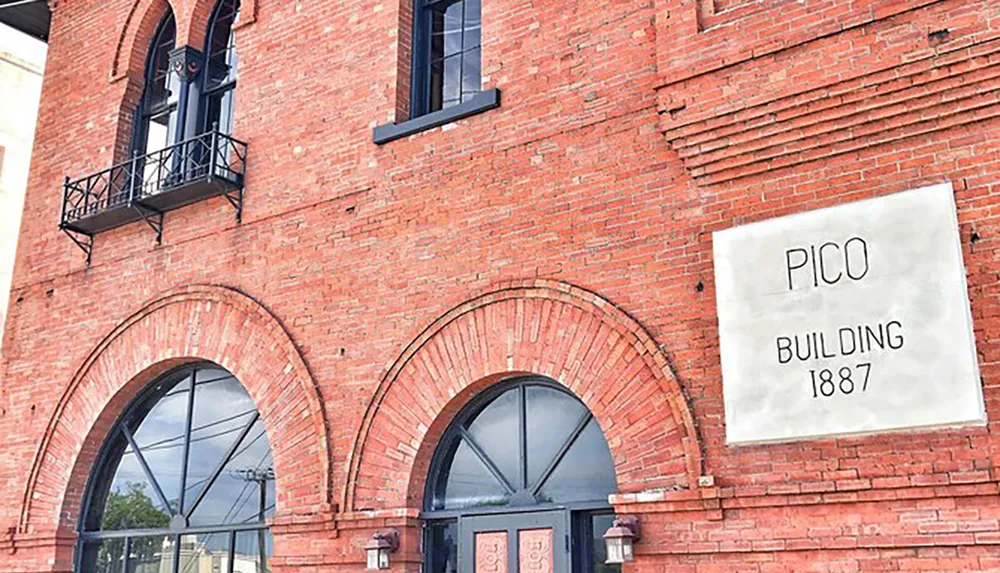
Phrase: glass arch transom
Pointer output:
(529, 443)
(185, 481)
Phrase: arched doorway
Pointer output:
(184, 482)
(519, 482)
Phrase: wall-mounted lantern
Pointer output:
(379, 547)
(619, 539)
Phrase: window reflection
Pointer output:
(160, 436)
(496, 431)
(244, 490)
(598, 549)
(443, 540)
(551, 418)
(213, 430)
(204, 416)
(158, 112)
(222, 66)
(252, 552)
(151, 554)
(566, 457)
(469, 483)
(107, 556)
(453, 56)
(586, 469)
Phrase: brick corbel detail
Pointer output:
(190, 324)
(773, 112)
(54, 548)
(536, 327)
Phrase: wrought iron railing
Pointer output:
(212, 156)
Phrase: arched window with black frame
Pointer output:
(525, 464)
(220, 71)
(447, 59)
(156, 125)
(184, 482)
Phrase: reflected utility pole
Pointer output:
(260, 477)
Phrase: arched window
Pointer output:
(220, 71)
(526, 463)
(447, 60)
(184, 482)
(156, 126)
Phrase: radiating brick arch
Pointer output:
(536, 327)
(191, 324)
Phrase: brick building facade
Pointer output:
(371, 290)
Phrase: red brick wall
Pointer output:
(629, 131)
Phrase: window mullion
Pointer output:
(145, 468)
(522, 431)
(126, 553)
(222, 464)
(177, 554)
(232, 551)
(420, 91)
(461, 54)
(580, 426)
(478, 450)
(186, 450)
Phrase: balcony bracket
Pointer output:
(153, 218)
(235, 198)
(85, 242)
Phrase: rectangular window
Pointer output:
(447, 59)
(446, 76)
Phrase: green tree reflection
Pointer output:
(130, 508)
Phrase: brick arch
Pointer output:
(135, 36)
(129, 64)
(192, 29)
(191, 324)
(192, 24)
(538, 327)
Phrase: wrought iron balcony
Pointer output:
(147, 186)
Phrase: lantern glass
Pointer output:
(383, 558)
(626, 549)
(615, 548)
(373, 558)
(378, 558)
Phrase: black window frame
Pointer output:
(147, 109)
(577, 513)
(422, 95)
(421, 116)
(584, 540)
(139, 407)
(209, 89)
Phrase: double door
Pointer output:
(515, 543)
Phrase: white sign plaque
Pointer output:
(847, 320)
